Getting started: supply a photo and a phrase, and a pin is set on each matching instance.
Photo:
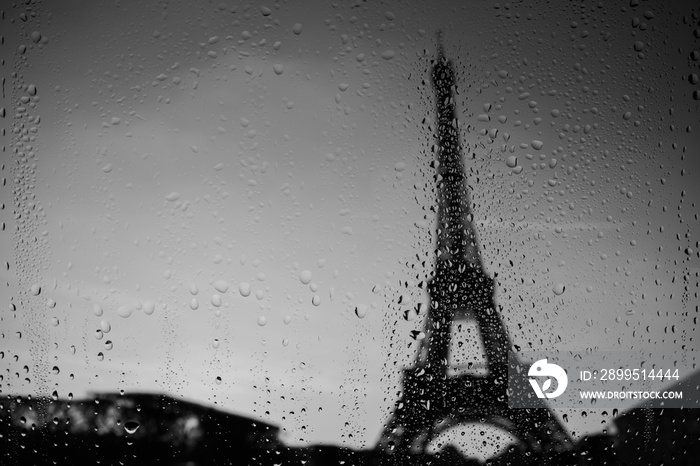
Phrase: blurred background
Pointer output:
(233, 203)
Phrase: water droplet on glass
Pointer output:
(316, 300)
(149, 307)
(131, 427)
(194, 304)
(244, 289)
(361, 311)
(512, 161)
(297, 28)
(388, 54)
(97, 310)
(278, 68)
(558, 289)
(35, 289)
(221, 286)
(262, 321)
(172, 197)
(305, 276)
(125, 311)
(54, 321)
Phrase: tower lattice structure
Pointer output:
(432, 399)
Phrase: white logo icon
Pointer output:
(543, 369)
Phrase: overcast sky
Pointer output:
(218, 188)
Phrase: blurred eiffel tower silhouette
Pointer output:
(435, 394)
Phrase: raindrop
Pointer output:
(97, 310)
(558, 289)
(316, 300)
(221, 286)
(194, 304)
(131, 427)
(512, 161)
(388, 54)
(125, 311)
(35, 289)
(172, 197)
(297, 28)
(149, 307)
(54, 321)
(305, 276)
(278, 68)
(216, 300)
(109, 345)
(262, 321)
(244, 289)
(361, 311)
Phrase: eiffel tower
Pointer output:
(433, 398)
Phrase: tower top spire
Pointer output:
(440, 46)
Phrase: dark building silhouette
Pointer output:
(128, 429)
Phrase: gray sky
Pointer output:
(187, 148)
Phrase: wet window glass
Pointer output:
(349, 233)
